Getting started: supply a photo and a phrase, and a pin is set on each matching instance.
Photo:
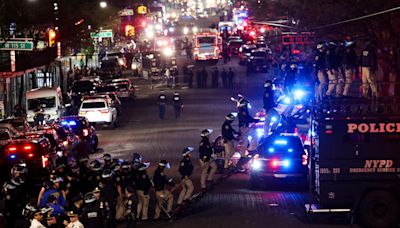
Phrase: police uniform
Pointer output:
(332, 69)
(185, 170)
(143, 185)
(109, 194)
(130, 207)
(368, 63)
(162, 102)
(94, 214)
(228, 135)
(11, 209)
(162, 193)
(206, 162)
(177, 105)
(320, 67)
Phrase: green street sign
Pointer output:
(16, 46)
(101, 34)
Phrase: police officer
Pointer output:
(11, 209)
(349, 62)
(94, 178)
(161, 184)
(37, 218)
(130, 207)
(268, 96)
(74, 220)
(204, 78)
(186, 170)
(108, 162)
(207, 159)
(143, 185)
(177, 101)
(228, 133)
(231, 76)
(84, 174)
(93, 212)
(126, 175)
(190, 76)
(109, 194)
(290, 78)
(368, 63)
(215, 76)
(198, 77)
(136, 163)
(332, 69)
(320, 67)
(162, 102)
(75, 204)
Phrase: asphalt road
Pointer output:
(231, 203)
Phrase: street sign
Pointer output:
(125, 12)
(102, 34)
(142, 10)
(16, 45)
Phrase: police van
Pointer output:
(355, 160)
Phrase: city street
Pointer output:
(230, 204)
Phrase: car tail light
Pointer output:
(104, 111)
(27, 147)
(45, 161)
(274, 163)
(85, 132)
(12, 149)
(31, 155)
(304, 159)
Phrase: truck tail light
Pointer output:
(45, 161)
(12, 149)
(304, 159)
(104, 111)
(31, 155)
(85, 132)
(27, 147)
(274, 163)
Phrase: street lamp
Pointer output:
(103, 4)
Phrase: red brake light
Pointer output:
(274, 163)
(85, 132)
(104, 111)
(31, 155)
(45, 161)
(304, 159)
(12, 148)
(28, 147)
(328, 132)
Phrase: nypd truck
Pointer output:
(355, 160)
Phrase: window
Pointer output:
(88, 105)
(83, 86)
(4, 135)
(206, 40)
(44, 102)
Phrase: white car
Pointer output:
(99, 110)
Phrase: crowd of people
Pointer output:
(219, 79)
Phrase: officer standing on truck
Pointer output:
(320, 68)
(228, 134)
(207, 159)
(368, 63)
(177, 102)
(349, 62)
(162, 103)
(186, 170)
(332, 69)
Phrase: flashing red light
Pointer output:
(31, 155)
(252, 33)
(143, 24)
(304, 159)
(45, 161)
(12, 148)
(274, 163)
(296, 52)
(27, 147)
(85, 132)
(245, 23)
(329, 132)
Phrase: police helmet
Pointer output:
(116, 167)
(144, 166)
(9, 186)
(293, 66)
(332, 43)
(46, 209)
(95, 165)
(267, 84)
(16, 182)
(96, 190)
(164, 163)
(137, 158)
(29, 210)
(107, 157)
(176, 93)
(107, 173)
(206, 132)
(19, 168)
(320, 46)
(125, 165)
(55, 180)
(72, 213)
(187, 151)
(348, 43)
(60, 166)
(231, 116)
(90, 197)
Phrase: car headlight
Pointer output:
(185, 30)
(256, 165)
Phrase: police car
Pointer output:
(258, 61)
(279, 157)
(82, 129)
(99, 110)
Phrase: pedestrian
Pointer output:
(190, 76)
(349, 65)
(228, 133)
(215, 76)
(143, 185)
(204, 78)
(186, 170)
(231, 76)
(224, 76)
(130, 207)
(332, 69)
(161, 184)
(162, 102)
(206, 159)
(320, 68)
(94, 212)
(177, 102)
(198, 78)
(368, 63)
(74, 220)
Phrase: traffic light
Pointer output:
(129, 30)
(52, 37)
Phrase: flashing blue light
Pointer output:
(256, 165)
(13, 156)
(286, 100)
(280, 142)
(298, 94)
(290, 150)
(64, 123)
(274, 119)
(249, 138)
(72, 123)
(260, 132)
(248, 105)
(271, 150)
(286, 163)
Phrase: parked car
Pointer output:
(99, 111)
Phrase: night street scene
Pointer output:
(199, 113)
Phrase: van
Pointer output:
(50, 99)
